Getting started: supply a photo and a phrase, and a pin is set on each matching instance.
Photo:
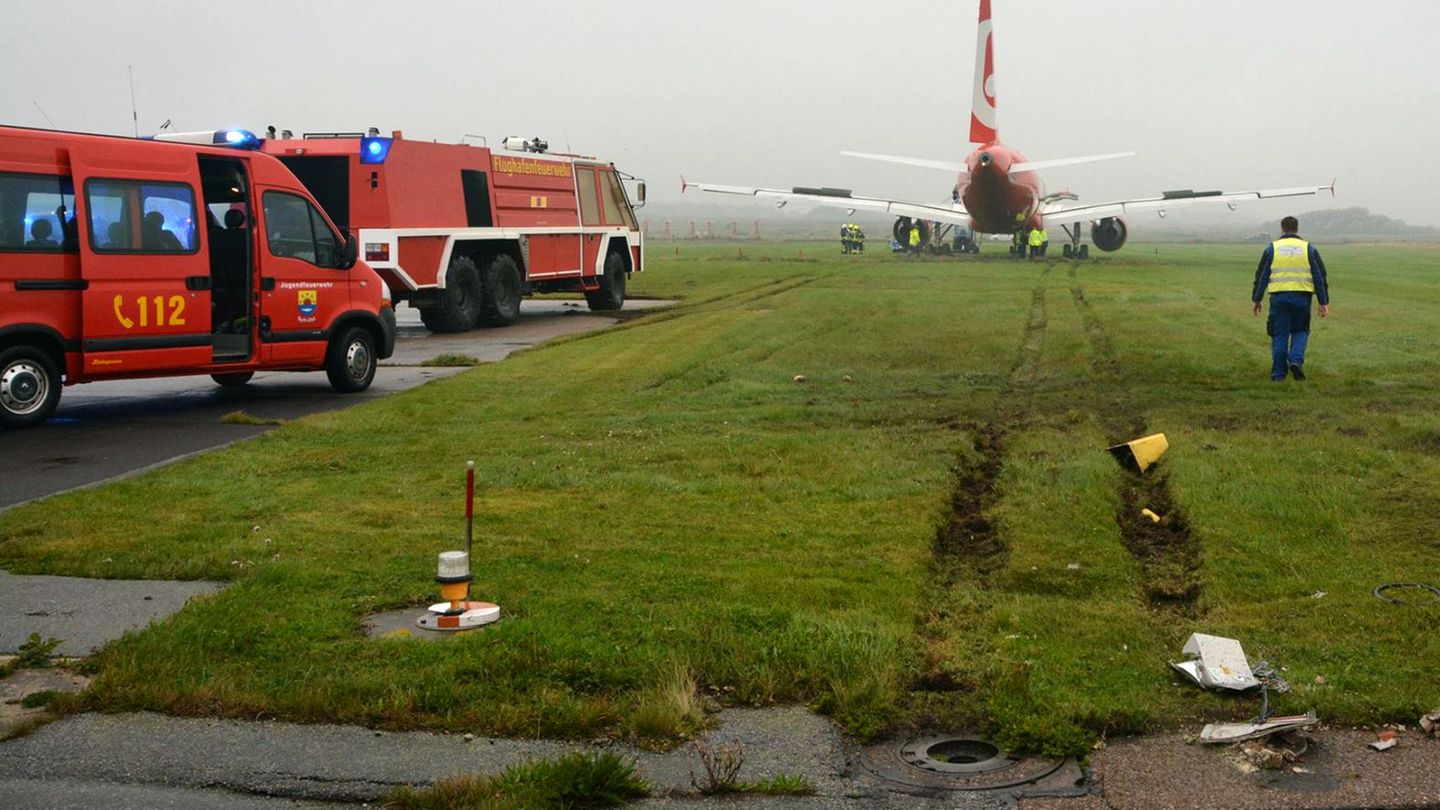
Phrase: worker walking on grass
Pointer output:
(915, 238)
(1036, 241)
(1292, 273)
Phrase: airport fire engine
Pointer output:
(123, 258)
(463, 232)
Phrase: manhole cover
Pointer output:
(935, 764)
(955, 755)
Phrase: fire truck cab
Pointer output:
(463, 232)
(123, 258)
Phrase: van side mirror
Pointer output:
(640, 192)
(348, 252)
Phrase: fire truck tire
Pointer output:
(29, 386)
(611, 295)
(350, 362)
(232, 380)
(500, 292)
(459, 306)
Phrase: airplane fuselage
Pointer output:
(998, 201)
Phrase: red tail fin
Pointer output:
(982, 110)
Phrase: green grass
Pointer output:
(573, 782)
(662, 512)
(450, 359)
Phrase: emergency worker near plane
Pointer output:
(1292, 273)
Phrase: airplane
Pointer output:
(998, 190)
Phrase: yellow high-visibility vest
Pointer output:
(1037, 238)
(915, 235)
(1290, 269)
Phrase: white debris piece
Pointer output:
(1235, 732)
(1216, 663)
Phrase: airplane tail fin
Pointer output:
(982, 111)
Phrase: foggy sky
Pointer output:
(1227, 94)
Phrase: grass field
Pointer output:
(669, 519)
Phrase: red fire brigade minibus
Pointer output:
(123, 258)
(462, 232)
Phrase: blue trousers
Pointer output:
(1289, 328)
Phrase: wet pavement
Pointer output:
(230, 763)
(108, 430)
(85, 614)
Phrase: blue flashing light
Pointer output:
(374, 150)
(238, 138)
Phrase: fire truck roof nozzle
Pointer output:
(515, 143)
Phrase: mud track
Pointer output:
(1167, 553)
(968, 546)
(967, 540)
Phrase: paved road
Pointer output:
(111, 429)
(174, 759)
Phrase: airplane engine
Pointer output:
(901, 230)
(1109, 233)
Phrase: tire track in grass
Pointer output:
(743, 297)
(968, 546)
(1167, 553)
(648, 318)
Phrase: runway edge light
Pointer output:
(1139, 454)
(454, 573)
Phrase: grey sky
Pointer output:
(1214, 94)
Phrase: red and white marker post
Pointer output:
(455, 575)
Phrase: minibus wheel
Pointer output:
(233, 379)
(350, 363)
(29, 386)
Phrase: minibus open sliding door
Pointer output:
(146, 305)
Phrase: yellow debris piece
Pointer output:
(1139, 454)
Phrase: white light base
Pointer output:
(477, 614)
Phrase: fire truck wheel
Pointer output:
(459, 306)
(500, 292)
(611, 294)
(232, 380)
(29, 387)
(350, 363)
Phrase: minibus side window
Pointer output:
(295, 229)
(132, 216)
(37, 213)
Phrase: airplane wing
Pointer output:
(840, 198)
(951, 166)
(1068, 211)
(946, 165)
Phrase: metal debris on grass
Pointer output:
(1216, 663)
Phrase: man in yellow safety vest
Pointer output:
(1292, 272)
(1036, 241)
(915, 238)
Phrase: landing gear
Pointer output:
(1073, 249)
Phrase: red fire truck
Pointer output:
(463, 232)
(124, 258)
